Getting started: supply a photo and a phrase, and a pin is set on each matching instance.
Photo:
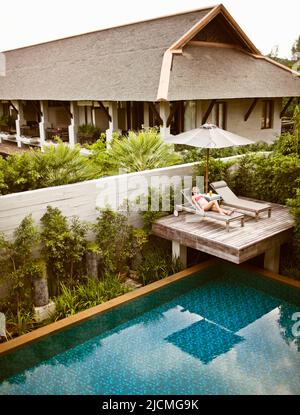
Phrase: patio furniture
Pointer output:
(231, 200)
(190, 207)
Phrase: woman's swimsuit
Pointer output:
(197, 198)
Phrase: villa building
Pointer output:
(176, 72)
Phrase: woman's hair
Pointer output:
(195, 189)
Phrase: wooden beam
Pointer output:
(250, 109)
(282, 114)
(105, 110)
(12, 105)
(209, 110)
(156, 113)
(164, 80)
(172, 112)
(37, 108)
(212, 44)
(67, 109)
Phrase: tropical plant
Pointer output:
(157, 264)
(83, 296)
(59, 164)
(101, 158)
(18, 268)
(114, 238)
(18, 173)
(64, 246)
(142, 151)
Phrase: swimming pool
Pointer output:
(225, 330)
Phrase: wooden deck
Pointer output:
(239, 244)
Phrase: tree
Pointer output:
(296, 48)
(142, 151)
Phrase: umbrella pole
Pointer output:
(206, 170)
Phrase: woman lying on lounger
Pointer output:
(200, 201)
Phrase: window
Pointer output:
(267, 114)
(189, 115)
(219, 114)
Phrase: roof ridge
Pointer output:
(115, 27)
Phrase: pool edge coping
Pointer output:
(52, 328)
(77, 318)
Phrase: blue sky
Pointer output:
(268, 23)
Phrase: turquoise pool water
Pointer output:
(223, 331)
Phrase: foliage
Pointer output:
(7, 121)
(17, 266)
(20, 323)
(18, 173)
(266, 178)
(60, 164)
(101, 158)
(218, 170)
(117, 240)
(198, 154)
(83, 296)
(89, 130)
(157, 264)
(294, 203)
(142, 151)
(150, 214)
(56, 165)
(296, 46)
(64, 247)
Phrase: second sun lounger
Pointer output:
(231, 200)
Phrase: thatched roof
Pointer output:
(125, 63)
(117, 64)
(211, 72)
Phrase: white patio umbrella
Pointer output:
(208, 136)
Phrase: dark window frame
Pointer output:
(267, 119)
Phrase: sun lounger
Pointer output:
(190, 207)
(231, 200)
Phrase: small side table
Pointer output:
(214, 196)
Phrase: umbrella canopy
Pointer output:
(208, 136)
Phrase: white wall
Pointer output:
(81, 199)
(236, 110)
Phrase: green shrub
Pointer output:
(142, 151)
(60, 164)
(266, 178)
(64, 247)
(101, 158)
(287, 144)
(218, 170)
(157, 264)
(83, 296)
(114, 237)
(18, 173)
(191, 154)
(17, 265)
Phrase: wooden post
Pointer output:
(19, 121)
(179, 251)
(206, 170)
(92, 265)
(43, 122)
(41, 293)
(113, 120)
(146, 115)
(272, 258)
(164, 110)
(73, 127)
